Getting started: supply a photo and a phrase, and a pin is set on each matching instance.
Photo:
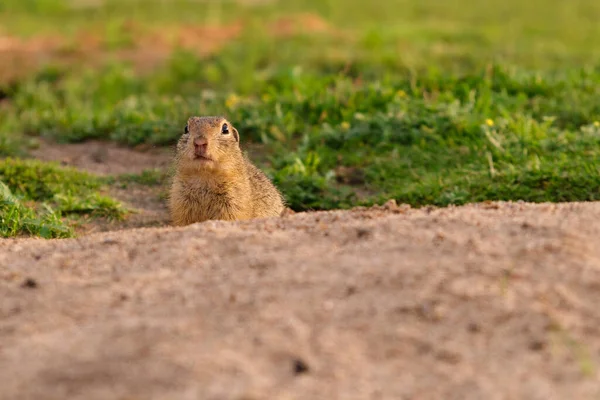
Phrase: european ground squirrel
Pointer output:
(214, 180)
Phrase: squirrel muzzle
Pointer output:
(201, 147)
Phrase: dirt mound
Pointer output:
(486, 301)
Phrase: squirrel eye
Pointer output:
(187, 129)
(225, 129)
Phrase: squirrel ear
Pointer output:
(236, 135)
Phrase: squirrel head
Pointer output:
(208, 143)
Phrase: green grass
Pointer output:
(425, 102)
(34, 196)
(18, 219)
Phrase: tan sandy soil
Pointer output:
(103, 158)
(492, 301)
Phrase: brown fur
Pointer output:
(227, 187)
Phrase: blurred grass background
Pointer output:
(348, 103)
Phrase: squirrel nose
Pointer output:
(200, 145)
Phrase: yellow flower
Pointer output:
(232, 101)
(401, 93)
(596, 124)
(345, 125)
(489, 122)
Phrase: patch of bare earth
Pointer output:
(22, 56)
(299, 24)
(147, 207)
(147, 203)
(147, 47)
(104, 158)
(490, 301)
